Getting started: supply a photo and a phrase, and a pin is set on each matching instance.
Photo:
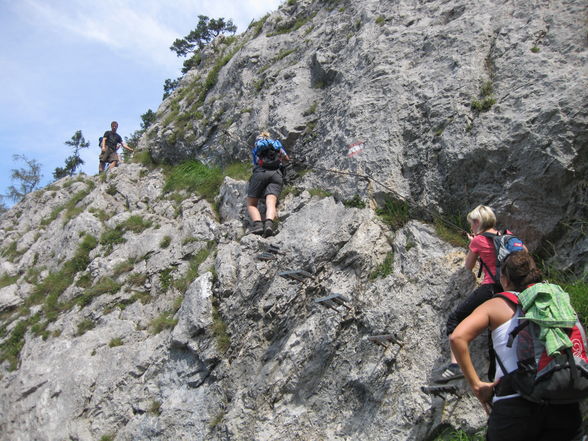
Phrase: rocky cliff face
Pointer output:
(457, 104)
(129, 313)
(139, 317)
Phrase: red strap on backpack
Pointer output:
(508, 295)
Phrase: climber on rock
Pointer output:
(109, 145)
(265, 183)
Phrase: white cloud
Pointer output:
(138, 29)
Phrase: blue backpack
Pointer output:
(268, 153)
(505, 243)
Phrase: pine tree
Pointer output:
(73, 162)
(27, 179)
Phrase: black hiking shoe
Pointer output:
(257, 228)
(268, 228)
(451, 372)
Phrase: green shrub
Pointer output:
(141, 296)
(123, 267)
(291, 27)
(195, 177)
(484, 104)
(104, 286)
(451, 434)
(578, 291)
(240, 171)
(155, 407)
(10, 348)
(283, 54)
(10, 252)
(7, 280)
(219, 330)
(111, 190)
(487, 100)
(143, 157)
(450, 233)
(380, 20)
(164, 321)
(487, 89)
(575, 286)
(216, 420)
(56, 283)
(137, 279)
(394, 212)
(535, 49)
(117, 341)
(258, 84)
(165, 242)
(354, 202)
(320, 192)
(191, 274)
(384, 269)
(70, 207)
(111, 237)
(258, 25)
(136, 224)
(84, 326)
(165, 278)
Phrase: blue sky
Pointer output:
(71, 65)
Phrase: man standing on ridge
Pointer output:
(109, 145)
(265, 183)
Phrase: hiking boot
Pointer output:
(257, 228)
(451, 372)
(268, 228)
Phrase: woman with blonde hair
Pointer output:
(482, 220)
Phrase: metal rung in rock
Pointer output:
(299, 275)
(333, 301)
(266, 256)
(440, 390)
(273, 249)
(382, 339)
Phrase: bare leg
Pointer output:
(271, 200)
(252, 209)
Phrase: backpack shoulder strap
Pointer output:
(513, 298)
(509, 296)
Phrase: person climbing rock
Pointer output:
(109, 145)
(482, 221)
(512, 417)
(265, 183)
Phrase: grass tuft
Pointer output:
(394, 212)
(195, 177)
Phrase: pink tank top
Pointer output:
(484, 248)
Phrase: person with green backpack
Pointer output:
(541, 362)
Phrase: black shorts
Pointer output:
(264, 182)
(516, 419)
(466, 307)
